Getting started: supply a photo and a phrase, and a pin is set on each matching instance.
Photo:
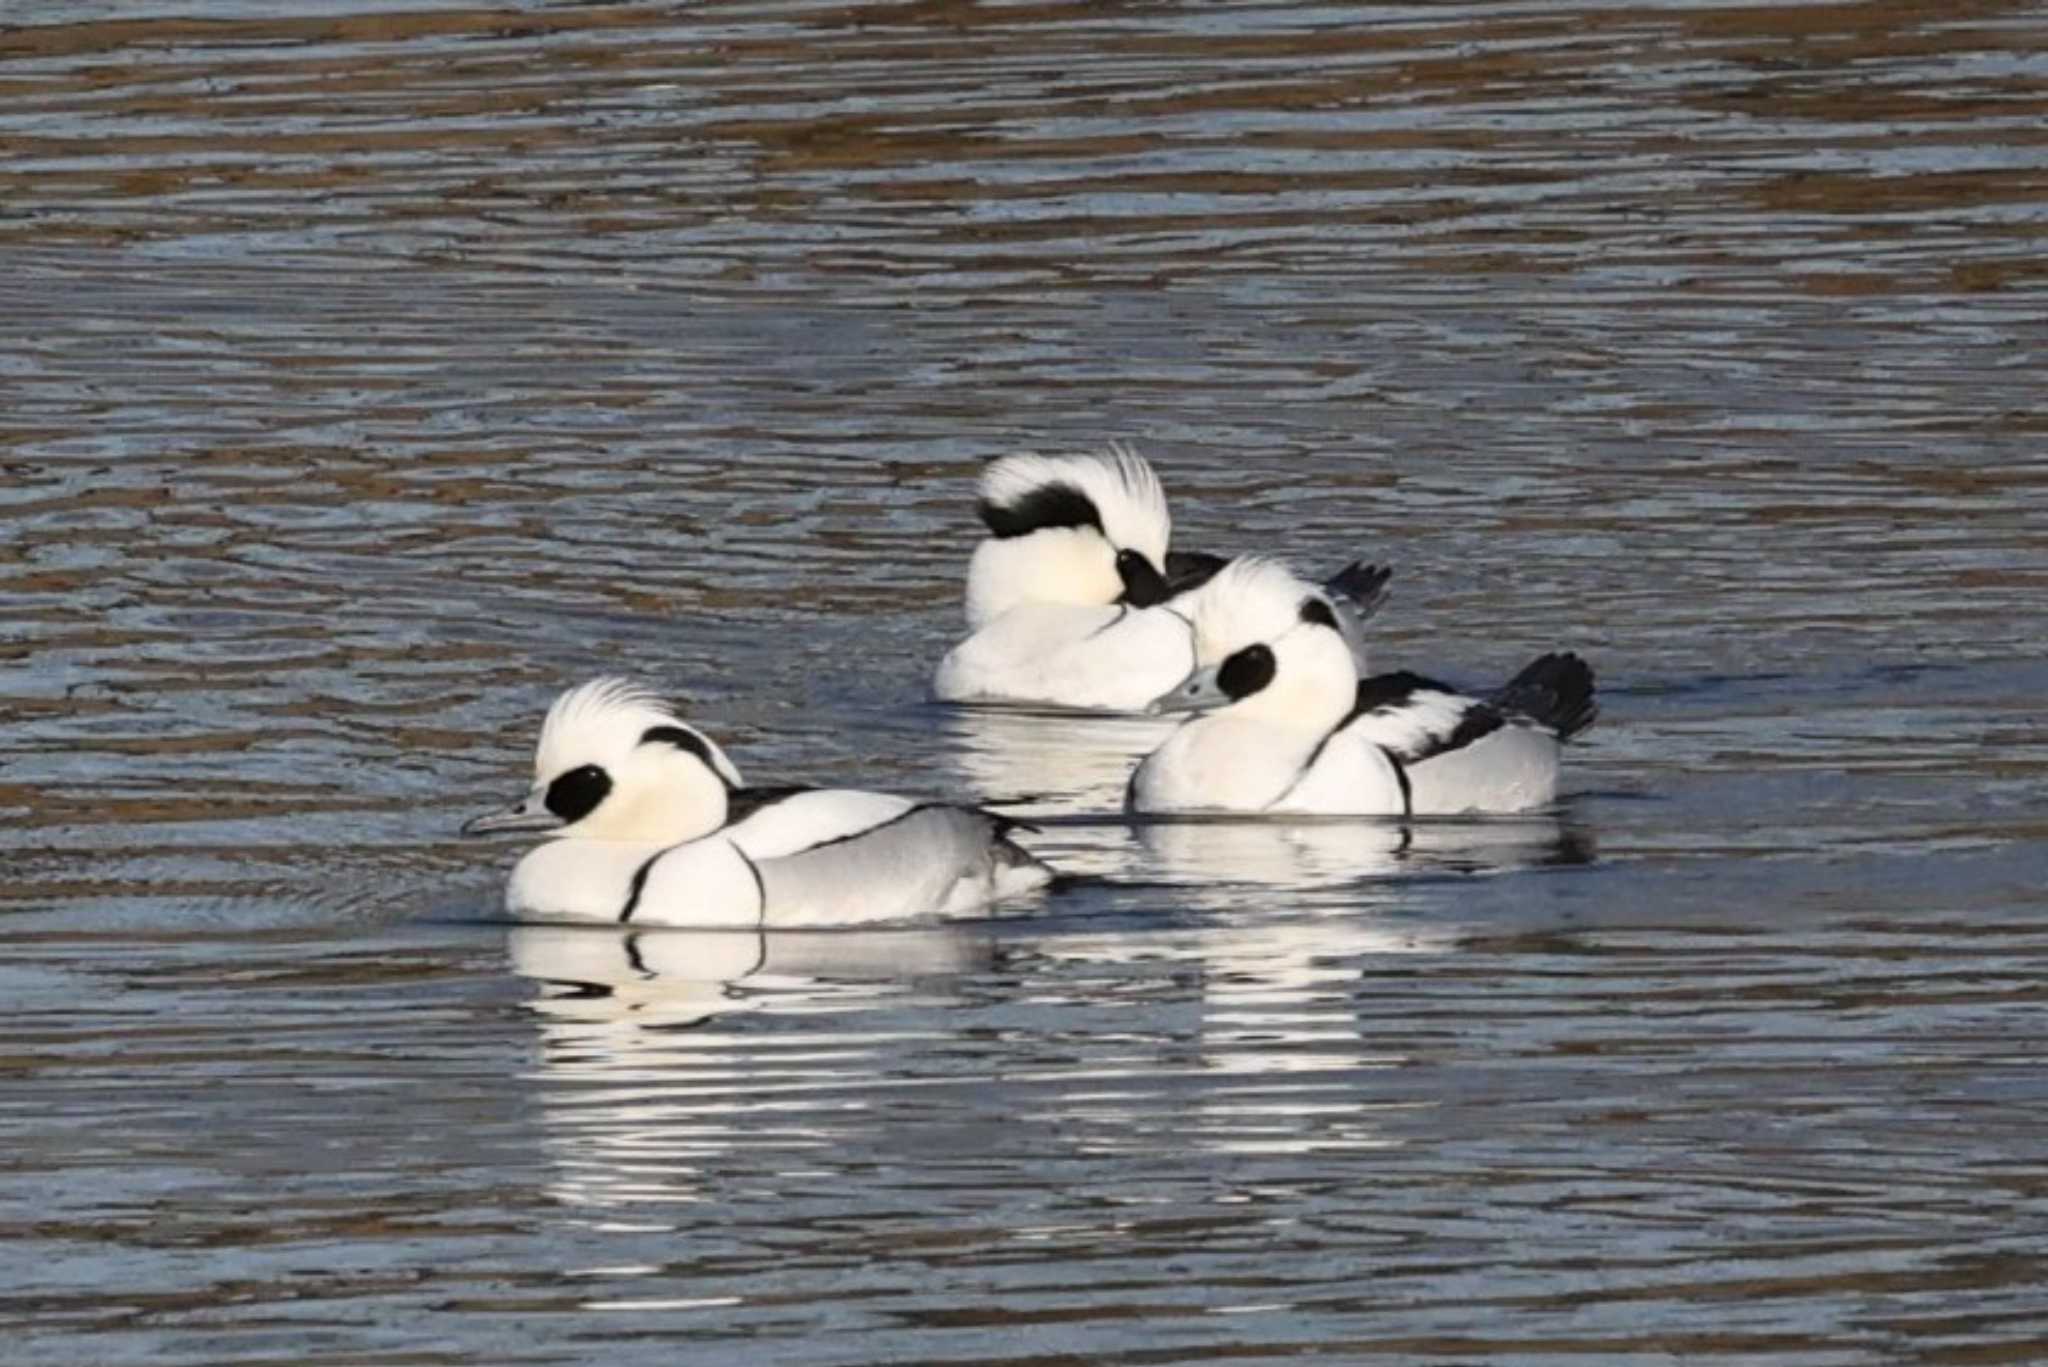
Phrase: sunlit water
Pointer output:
(370, 375)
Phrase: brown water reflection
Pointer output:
(373, 371)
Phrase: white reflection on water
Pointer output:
(1271, 1031)
(1301, 854)
(1064, 761)
(1068, 772)
(648, 1087)
(647, 979)
(667, 1056)
(1269, 1049)
(1277, 1017)
(1283, 853)
(639, 1087)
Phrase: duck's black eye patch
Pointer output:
(575, 795)
(1316, 611)
(1246, 672)
(1049, 505)
(683, 738)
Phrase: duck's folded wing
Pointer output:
(803, 819)
(1414, 718)
(925, 860)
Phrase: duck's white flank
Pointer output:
(1112, 657)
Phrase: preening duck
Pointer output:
(1285, 724)
(1074, 599)
(649, 824)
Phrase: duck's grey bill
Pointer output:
(1198, 692)
(524, 815)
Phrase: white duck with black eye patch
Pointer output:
(1065, 598)
(1074, 600)
(648, 823)
(1286, 726)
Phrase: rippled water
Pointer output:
(372, 373)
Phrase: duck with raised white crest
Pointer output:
(1285, 725)
(649, 824)
(1075, 600)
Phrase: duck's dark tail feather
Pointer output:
(1361, 585)
(1555, 692)
(1001, 826)
(1187, 570)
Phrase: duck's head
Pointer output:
(617, 763)
(1087, 529)
(1268, 645)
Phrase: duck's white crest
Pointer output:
(1119, 482)
(1254, 598)
(604, 720)
(1065, 530)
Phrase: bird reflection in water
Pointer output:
(643, 1086)
(1307, 853)
(1050, 760)
(1068, 771)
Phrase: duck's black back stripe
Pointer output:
(865, 830)
(741, 803)
(1478, 722)
(1123, 610)
(760, 885)
(732, 989)
(1385, 690)
(639, 886)
(760, 891)
(1308, 765)
(1400, 776)
(1401, 773)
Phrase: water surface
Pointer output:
(373, 373)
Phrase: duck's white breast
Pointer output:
(1350, 776)
(705, 882)
(1220, 763)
